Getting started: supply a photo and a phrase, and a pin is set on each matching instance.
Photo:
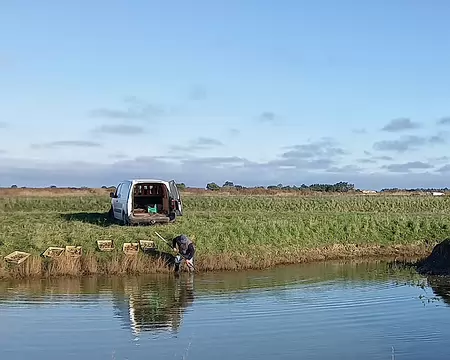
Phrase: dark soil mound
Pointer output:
(438, 262)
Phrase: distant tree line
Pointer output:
(415, 190)
(341, 186)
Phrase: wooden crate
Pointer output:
(147, 245)
(53, 251)
(74, 251)
(17, 257)
(130, 248)
(105, 245)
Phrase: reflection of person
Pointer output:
(187, 250)
(154, 305)
(183, 298)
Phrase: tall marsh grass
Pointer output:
(232, 232)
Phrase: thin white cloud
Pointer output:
(136, 110)
(408, 143)
(408, 167)
(67, 143)
(201, 143)
(197, 93)
(444, 121)
(119, 129)
(400, 124)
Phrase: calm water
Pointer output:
(320, 311)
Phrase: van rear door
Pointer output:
(177, 197)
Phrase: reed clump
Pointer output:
(230, 232)
(118, 264)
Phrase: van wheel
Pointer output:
(125, 221)
(111, 213)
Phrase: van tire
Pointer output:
(125, 221)
(111, 213)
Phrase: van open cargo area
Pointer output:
(150, 203)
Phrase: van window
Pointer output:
(125, 189)
(119, 188)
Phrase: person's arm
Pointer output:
(174, 242)
(190, 251)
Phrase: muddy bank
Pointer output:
(120, 264)
(438, 262)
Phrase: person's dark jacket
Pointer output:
(185, 245)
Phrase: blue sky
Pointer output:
(256, 92)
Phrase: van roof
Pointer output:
(138, 181)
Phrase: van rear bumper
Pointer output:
(146, 219)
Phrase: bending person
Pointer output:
(186, 248)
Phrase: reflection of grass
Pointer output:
(231, 232)
(162, 289)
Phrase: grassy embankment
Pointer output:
(231, 232)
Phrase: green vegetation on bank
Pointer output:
(233, 231)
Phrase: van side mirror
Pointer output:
(111, 195)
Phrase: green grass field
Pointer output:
(234, 231)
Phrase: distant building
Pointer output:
(369, 192)
(438, 193)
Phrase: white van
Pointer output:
(146, 201)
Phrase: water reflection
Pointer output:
(155, 306)
(148, 303)
(324, 310)
(440, 287)
(158, 303)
